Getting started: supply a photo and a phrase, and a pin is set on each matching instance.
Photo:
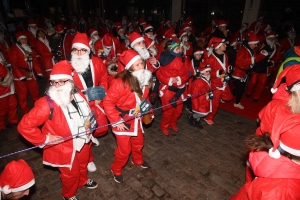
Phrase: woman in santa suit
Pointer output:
(126, 93)
(25, 68)
(245, 60)
(44, 50)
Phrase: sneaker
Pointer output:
(173, 102)
(72, 198)
(91, 167)
(118, 179)
(165, 132)
(191, 120)
(145, 165)
(238, 105)
(209, 121)
(91, 184)
(95, 141)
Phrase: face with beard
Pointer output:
(292, 35)
(141, 49)
(80, 62)
(107, 50)
(206, 75)
(142, 75)
(95, 38)
(184, 38)
(60, 94)
(270, 41)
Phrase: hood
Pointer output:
(281, 93)
(166, 58)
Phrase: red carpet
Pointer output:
(251, 109)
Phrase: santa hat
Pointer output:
(222, 22)
(186, 26)
(72, 27)
(59, 28)
(148, 41)
(285, 136)
(167, 22)
(62, 70)
(233, 40)
(169, 33)
(271, 34)
(20, 35)
(92, 31)
(118, 29)
(182, 33)
(81, 40)
(253, 39)
(215, 21)
(17, 176)
(215, 42)
(198, 51)
(142, 21)
(107, 40)
(245, 25)
(291, 30)
(260, 16)
(129, 57)
(134, 38)
(267, 26)
(118, 25)
(292, 78)
(147, 28)
(31, 22)
(204, 67)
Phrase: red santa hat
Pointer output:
(31, 22)
(92, 31)
(129, 57)
(107, 40)
(59, 28)
(260, 16)
(198, 51)
(147, 28)
(253, 39)
(292, 78)
(142, 21)
(291, 30)
(233, 40)
(169, 33)
(222, 22)
(215, 42)
(186, 26)
(285, 136)
(81, 40)
(20, 35)
(204, 67)
(182, 33)
(266, 27)
(62, 70)
(148, 41)
(167, 22)
(271, 34)
(118, 25)
(17, 176)
(134, 38)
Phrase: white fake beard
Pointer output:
(143, 52)
(206, 77)
(153, 51)
(80, 63)
(33, 31)
(184, 39)
(270, 43)
(95, 38)
(291, 36)
(143, 76)
(106, 50)
(61, 95)
(26, 47)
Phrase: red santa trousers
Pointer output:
(22, 89)
(218, 95)
(76, 177)
(257, 81)
(126, 145)
(8, 107)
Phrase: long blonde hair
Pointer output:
(294, 102)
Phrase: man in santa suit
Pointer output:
(210, 29)
(65, 135)
(25, 68)
(137, 43)
(31, 33)
(8, 100)
(185, 43)
(241, 35)
(289, 41)
(89, 72)
(94, 36)
(257, 26)
(218, 61)
(16, 180)
(4, 45)
(44, 50)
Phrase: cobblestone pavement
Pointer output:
(195, 163)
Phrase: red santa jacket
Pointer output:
(46, 55)
(4, 90)
(67, 44)
(277, 179)
(21, 67)
(243, 61)
(287, 43)
(115, 51)
(120, 98)
(201, 103)
(4, 47)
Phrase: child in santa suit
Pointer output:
(201, 95)
(128, 90)
(15, 180)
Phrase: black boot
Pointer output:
(192, 121)
(173, 102)
(199, 124)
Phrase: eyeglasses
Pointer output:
(79, 50)
(60, 83)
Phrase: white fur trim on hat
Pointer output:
(295, 87)
(253, 42)
(24, 187)
(273, 90)
(290, 150)
(82, 46)
(275, 154)
(60, 76)
(198, 52)
(136, 41)
(135, 58)
(94, 32)
(21, 37)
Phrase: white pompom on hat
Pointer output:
(17, 176)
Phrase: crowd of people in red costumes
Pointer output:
(101, 72)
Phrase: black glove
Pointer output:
(230, 69)
(269, 64)
(39, 77)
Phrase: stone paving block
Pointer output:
(158, 191)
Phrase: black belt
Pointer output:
(26, 69)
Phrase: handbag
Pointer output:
(146, 118)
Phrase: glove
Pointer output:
(230, 68)
(270, 64)
(39, 77)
